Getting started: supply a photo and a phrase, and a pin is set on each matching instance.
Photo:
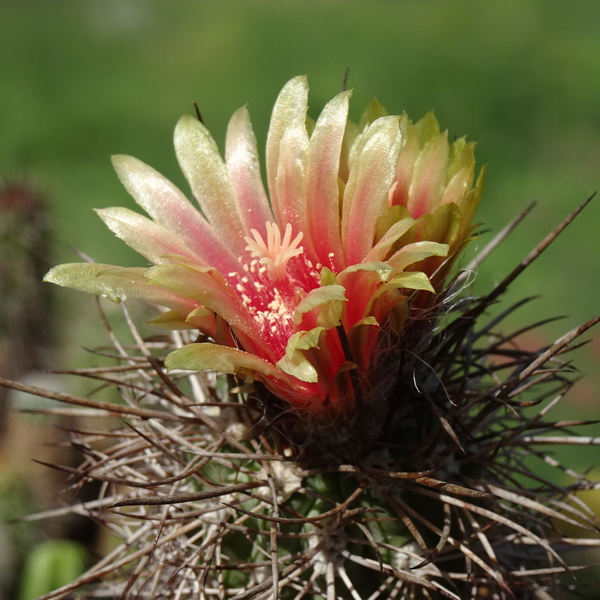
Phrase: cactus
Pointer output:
(333, 416)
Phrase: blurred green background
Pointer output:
(81, 80)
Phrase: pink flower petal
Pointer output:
(372, 171)
(429, 177)
(291, 180)
(323, 192)
(291, 105)
(169, 207)
(244, 173)
(144, 235)
(206, 286)
(206, 173)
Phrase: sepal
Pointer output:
(197, 357)
(294, 362)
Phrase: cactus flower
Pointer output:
(297, 288)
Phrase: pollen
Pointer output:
(275, 253)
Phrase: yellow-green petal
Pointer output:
(197, 357)
(294, 362)
(170, 320)
(330, 298)
(116, 284)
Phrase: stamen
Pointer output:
(269, 291)
(275, 254)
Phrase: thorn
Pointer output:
(198, 114)
(345, 80)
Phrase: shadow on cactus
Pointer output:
(333, 415)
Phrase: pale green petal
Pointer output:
(203, 319)
(116, 284)
(243, 167)
(443, 225)
(196, 283)
(199, 318)
(372, 113)
(330, 298)
(145, 236)
(328, 277)
(291, 104)
(205, 170)
(177, 259)
(412, 281)
(197, 357)
(323, 199)
(372, 171)
(427, 128)
(294, 362)
(389, 238)
(382, 269)
(412, 253)
(470, 203)
(199, 313)
(170, 320)
(462, 155)
(206, 287)
(366, 321)
(457, 187)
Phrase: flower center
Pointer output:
(276, 253)
(276, 278)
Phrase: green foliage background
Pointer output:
(82, 80)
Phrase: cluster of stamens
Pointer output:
(275, 253)
(275, 279)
